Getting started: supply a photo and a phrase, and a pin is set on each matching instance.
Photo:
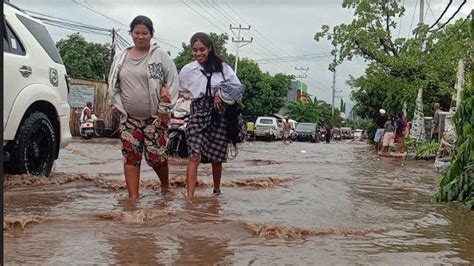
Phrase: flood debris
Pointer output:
(259, 182)
(259, 162)
(272, 231)
(138, 216)
(20, 221)
(13, 181)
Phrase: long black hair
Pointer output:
(214, 62)
(142, 20)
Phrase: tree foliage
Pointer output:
(398, 67)
(457, 182)
(84, 59)
(313, 111)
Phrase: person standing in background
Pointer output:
(435, 123)
(380, 124)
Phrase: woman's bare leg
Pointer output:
(216, 175)
(191, 174)
(132, 178)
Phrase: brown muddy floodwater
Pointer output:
(302, 203)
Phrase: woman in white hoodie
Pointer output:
(143, 87)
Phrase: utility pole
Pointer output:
(334, 86)
(417, 130)
(238, 41)
(112, 53)
(422, 11)
(460, 82)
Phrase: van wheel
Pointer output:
(34, 148)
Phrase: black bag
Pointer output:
(233, 128)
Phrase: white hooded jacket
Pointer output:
(161, 69)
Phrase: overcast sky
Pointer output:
(279, 28)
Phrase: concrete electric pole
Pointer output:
(333, 101)
(238, 43)
(417, 130)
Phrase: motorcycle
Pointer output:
(87, 127)
(177, 145)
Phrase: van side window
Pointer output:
(14, 44)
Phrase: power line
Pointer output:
(442, 14)
(412, 19)
(295, 56)
(269, 44)
(210, 14)
(455, 13)
(112, 19)
(431, 10)
(400, 24)
(98, 12)
(217, 27)
(52, 19)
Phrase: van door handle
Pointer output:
(25, 71)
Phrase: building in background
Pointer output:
(298, 93)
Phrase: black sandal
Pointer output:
(216, 191)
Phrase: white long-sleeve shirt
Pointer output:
(193, 81)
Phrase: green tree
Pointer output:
(265, 94)
(398, 67)
(306, 111)
(457, 182)
(84, 59)
(342, 106)
(314, 111)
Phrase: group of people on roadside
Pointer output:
(390, 129)
(144, 85)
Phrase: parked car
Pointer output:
(267, 127)
(306, 132)
(36, 110)
(358, 133)
(346, 133)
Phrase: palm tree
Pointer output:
(303, 111)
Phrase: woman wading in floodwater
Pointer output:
(143, 87)
(206, 131)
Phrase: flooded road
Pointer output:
(302, 203)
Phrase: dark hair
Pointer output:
(214, 62)
(400, 114)
(89, 104)
(142, 20)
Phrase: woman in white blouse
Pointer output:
(206, 130)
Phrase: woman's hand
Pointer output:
(218, 104)
(164, 119)
(116, 112)
(165, 95)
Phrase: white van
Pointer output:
(267, 127)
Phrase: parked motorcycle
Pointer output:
(86, 129)
(177, 145)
